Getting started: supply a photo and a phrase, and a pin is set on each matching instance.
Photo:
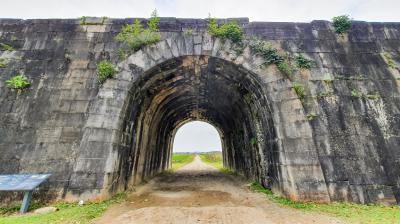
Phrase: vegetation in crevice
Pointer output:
(311, 116)
(3, 62)
(6, 47)
(18, 82)
(188, 31)
(230, 30)
(122, 54)
(373, 96)
(253, 141)
(341, 24)
(105, 70)
(271, 55)
(389, 60)
(350, 212)
(299, 89)
(302, 62)
(323, 94)
(84, 21)
(355, 93)
(135, 36)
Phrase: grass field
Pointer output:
(180, 159)
(349, 212)
(68, 213)
(213, 158)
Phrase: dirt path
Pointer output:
(199, 193)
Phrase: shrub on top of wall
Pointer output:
(105, 70)
(18, 82)
(341, 24)
(135, 36)
(229, 30)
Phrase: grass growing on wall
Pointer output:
(135, 36)
(180, 159)
(350, 212)
(68, 213)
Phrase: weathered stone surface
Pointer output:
(97, 140)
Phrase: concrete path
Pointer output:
(199, 193)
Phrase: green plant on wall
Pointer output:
(373, 96)
(6, 47)
(355, 93)
(302, 62)
(135, 36)
(266, 51)
(18, 82)
(341, 24)
(389, 60)
(311, 116)
(271, 55)
(105, 70)
(3, 62)
(84, 21)
(299, 89)
(230, 30)
(253, 141)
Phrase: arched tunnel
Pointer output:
(203, 88)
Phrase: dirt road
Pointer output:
(199, 193)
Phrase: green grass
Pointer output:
(180, 159)
(349, 212)
(213, 159)
(68, 213)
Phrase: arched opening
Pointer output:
(265, 133)
(196, 141)
(196, 137)
(203, 88)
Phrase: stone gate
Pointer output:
(101, 139)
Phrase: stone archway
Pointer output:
(266, 135)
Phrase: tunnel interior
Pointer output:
(203, 88)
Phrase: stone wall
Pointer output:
(97, 140)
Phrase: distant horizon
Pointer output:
(197, 152)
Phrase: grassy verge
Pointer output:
(68, 213)
(352, 213)
(213, 159)
(180, 159)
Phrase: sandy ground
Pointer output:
(199, 193)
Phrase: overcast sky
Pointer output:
(197, 136)
(256, 10)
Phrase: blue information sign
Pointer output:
(22, 182)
